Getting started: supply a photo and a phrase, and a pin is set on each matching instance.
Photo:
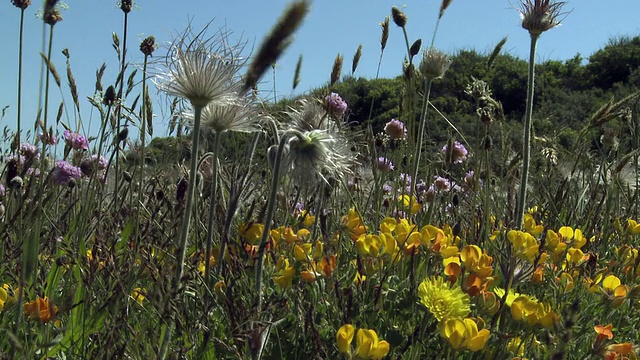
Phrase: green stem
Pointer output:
(271, 205)
(20, 73)
(212, 208)
(423, 121)
(46, 85)
(143, 133)
(526, 143)
(186, 222)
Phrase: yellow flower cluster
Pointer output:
(368, 346)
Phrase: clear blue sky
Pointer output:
(333, 26)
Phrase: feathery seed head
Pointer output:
(201, 71)
(309, 115)
(434, 64)
(321, 151)
(236, 115)
(539, 16)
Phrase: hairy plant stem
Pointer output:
(271, 206)
(46, 82)
(20, 74)
(212, 207)
(143, 133)
(526, 138)
(423, 121)
(186, 221)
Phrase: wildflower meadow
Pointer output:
(444, 214)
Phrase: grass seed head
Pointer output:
(399, 18)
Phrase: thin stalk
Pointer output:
(267, 222)
(48, 76)
(119, 109)
(526, 139)
(20, 73)
(186, 222)
(271, 206)
(212, 207)
(143, 133)
(191, 192)
(423, 121)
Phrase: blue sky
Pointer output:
(332, 27)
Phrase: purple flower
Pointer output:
(396, 130)
(405, 179)
(64, 173)
(29, 151)
(458, 152)
(75, 140)
(441, 183)
(385, 164)
(335, 104)
(387, 188)
(3, 191)
(33, 172)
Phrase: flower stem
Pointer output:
(423, 120)
(186, 222)
(526, 138)
(46, 84)
(212, 208)
(20, 74)
(271, 205)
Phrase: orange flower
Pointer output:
(614, 351)
(40, 309)
(604, 332)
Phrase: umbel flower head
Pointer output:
(539, 16)
(434, 64)
(201, 71)
(442, 300)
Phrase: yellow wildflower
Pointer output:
(284, 274)
(251, 232)
(138, 294)
(464, 334)
(442, 300)
(524, 245)
(344, 337)
(368, 346)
